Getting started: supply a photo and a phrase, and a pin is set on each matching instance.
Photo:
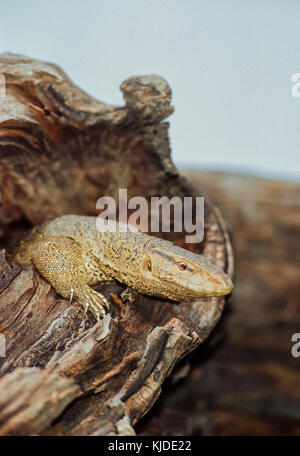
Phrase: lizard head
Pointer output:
(178, 274)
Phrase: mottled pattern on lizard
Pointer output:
(72, 254)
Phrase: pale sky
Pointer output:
(229, 63)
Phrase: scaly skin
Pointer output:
(72, 254)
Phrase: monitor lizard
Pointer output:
(74, 252)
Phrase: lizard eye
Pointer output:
(149, 265)
(181, 266)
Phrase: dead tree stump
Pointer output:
(60, 150)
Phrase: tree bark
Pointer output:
(60, 150)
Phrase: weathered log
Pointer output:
(244, 379)
(60, 150)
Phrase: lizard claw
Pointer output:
(86, 307)
(71, 295)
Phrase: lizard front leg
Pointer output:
(61, 262)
